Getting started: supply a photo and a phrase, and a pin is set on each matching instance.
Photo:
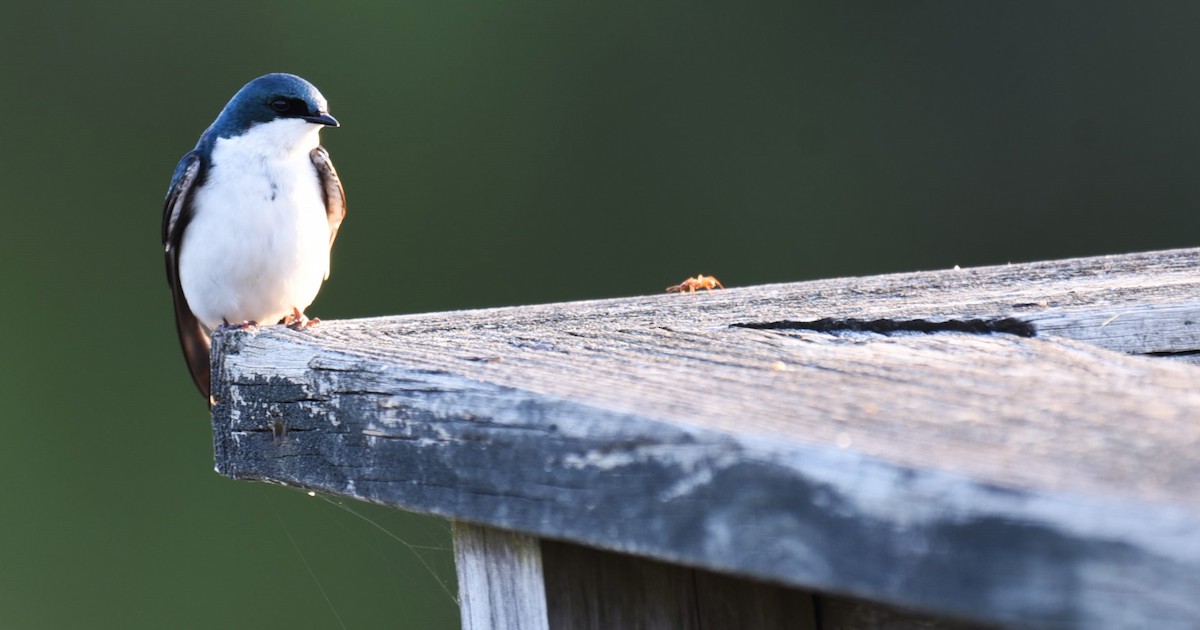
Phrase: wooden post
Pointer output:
(499, 579)
(1009, 445)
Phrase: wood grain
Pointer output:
(1007, 478)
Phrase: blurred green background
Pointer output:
(508, 153)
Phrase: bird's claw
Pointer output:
(297, 321)
(248, 325)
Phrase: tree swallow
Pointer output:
(251, 216)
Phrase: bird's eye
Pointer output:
(281, 105)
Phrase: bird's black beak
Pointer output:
(322, 119)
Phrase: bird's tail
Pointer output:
(196, 345)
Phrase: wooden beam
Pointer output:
(982, 443)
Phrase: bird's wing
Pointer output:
(331, 188)
(177, 211)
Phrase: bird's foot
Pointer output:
(297, 321)
(225, 325)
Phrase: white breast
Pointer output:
(258, 241)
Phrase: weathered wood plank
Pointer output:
(499, 579)
(998, 477)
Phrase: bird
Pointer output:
(250, 217)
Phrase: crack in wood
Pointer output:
(1173, 353)
(831, 325)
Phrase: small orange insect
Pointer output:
(691, 285)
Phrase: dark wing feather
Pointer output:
(177, 211)
(331, 186)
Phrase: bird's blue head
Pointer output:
(272, 97)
